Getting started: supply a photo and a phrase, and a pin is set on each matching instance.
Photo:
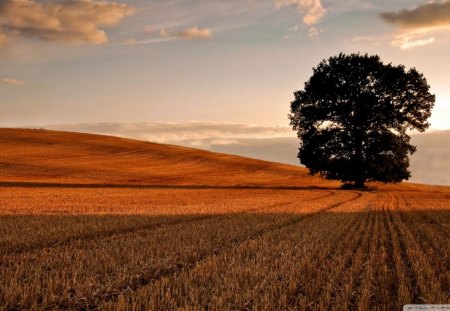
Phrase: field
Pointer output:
(92, 222)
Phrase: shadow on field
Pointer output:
(20, 233)
(25, 184)
(41, 249)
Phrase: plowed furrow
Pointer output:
(361, 269)
(255, 255)
(350, 278)
(122, 231)
(404, 288)
(430, 254)
(439, 223)
(415, 290)
(185, 266)
(386, 276)
(110, 249)
(323, 262)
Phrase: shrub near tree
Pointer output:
(353, 119)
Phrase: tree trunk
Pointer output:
(359, 163)
(359, 183)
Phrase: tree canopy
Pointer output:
(354, 115)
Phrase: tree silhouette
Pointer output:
(353, 116)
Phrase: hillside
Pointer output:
(43, 156)
(34, 157)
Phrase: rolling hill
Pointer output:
(43, 156)
(33, 157)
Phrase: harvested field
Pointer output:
(222, 242)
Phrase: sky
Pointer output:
(83, 64)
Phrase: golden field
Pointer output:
(90, 222)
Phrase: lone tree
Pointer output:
(353, 116)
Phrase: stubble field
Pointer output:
(118, 230)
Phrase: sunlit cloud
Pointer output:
(194, 33)
(191, 133)
(408, 41)
(74, 21)
(311, 10)
(3, 39)
(11, 81)
(189, 33)
(165, 33)
(130, 41)
(314, 32)
(420, 25)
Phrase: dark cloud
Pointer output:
(434, 14)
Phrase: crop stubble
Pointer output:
(219, 249)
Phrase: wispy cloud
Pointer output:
(189, 33)
(74, 21)
(419, 26)
(409, 41)
(3, 38)
(11, 81)
(314, 32)
(195, 33)
(130, 41)
(165, 35)
(174, 18)
(189, 133)
(149, 41)
(311, 10)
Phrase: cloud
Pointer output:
(3, 39)
(314, 32)
(189, 133)
(276, 149)
(404, 41)
(165, 33)
(419, 26)
(130, 41)
(311, 10)
(75, 21)
(429, 15)
(409, 41)
(189, 33)
(194, 33)
(431, 163)
(12, 81)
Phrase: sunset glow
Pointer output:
(234, 61)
